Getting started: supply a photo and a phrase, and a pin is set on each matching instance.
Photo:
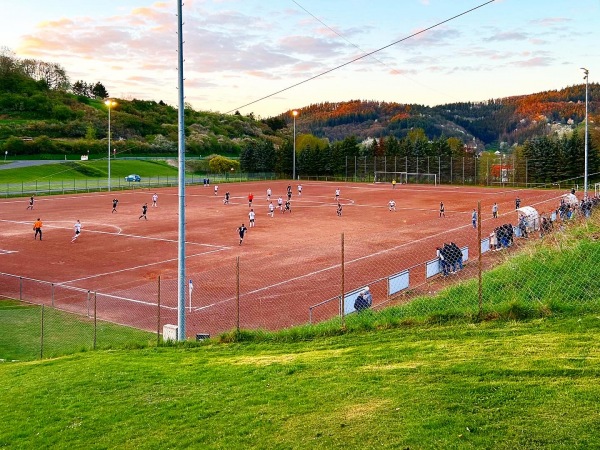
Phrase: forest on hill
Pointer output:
(43, 113)
(511, 120)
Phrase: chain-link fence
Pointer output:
(101, 184)
(471, 169)
(32, 331)
(402, 269)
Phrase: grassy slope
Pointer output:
(492, 385)
(64, 333)
(57, 172)
(454, 383)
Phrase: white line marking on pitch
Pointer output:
(119, 233)
(325, 269)
(142, 266)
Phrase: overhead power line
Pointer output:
(393, 70)
(363, 56)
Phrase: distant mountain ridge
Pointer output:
(510, 120)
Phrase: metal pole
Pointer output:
(181, 280)
(294, 113)
(95, 319)
(346, 168)
(585, 164)
(479, 270)
(237, 293)
(158, 315)
(42, 335)
(342, 312)
(109, 105)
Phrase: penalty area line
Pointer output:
(141, 266)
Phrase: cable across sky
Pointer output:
(362, 56)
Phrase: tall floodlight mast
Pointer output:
(585, 164)
(181, 280)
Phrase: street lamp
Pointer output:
(585, 164)
(109, 104)
(294, 113)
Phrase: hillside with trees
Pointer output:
(42, 112)
(510, 120)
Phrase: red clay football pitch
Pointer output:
(287, 263)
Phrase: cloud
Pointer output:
(550, 21)
(537, 61)
(508, 36)
(436, 37)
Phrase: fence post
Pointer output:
(52, 293)
(21, 288)
(88, 304)
(479, 271)
(342, 316)
(95, 321)
(42, 335)
(158, 316)
(237, 293)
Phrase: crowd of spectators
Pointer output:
(450, 257)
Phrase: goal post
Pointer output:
(405, 177)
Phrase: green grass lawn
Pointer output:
(501, 385)
(433, 374)
(63, 333)
(98, 169)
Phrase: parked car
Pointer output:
(133, 178)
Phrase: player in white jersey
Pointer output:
(392, 205)
(269, 194)
(154, 200)
(280, 203)
(77, 228)
(251, 217)
(271, 209)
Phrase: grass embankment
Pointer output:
(436, 377)
(78, 170)
(23, 337)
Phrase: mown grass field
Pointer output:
(24, 338)
(95, 169)
(504, 385)
(425, 376)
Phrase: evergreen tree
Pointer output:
(248, 158)
(99, 91)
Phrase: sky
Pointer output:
(239, 51)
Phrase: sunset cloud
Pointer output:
(237, 50)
